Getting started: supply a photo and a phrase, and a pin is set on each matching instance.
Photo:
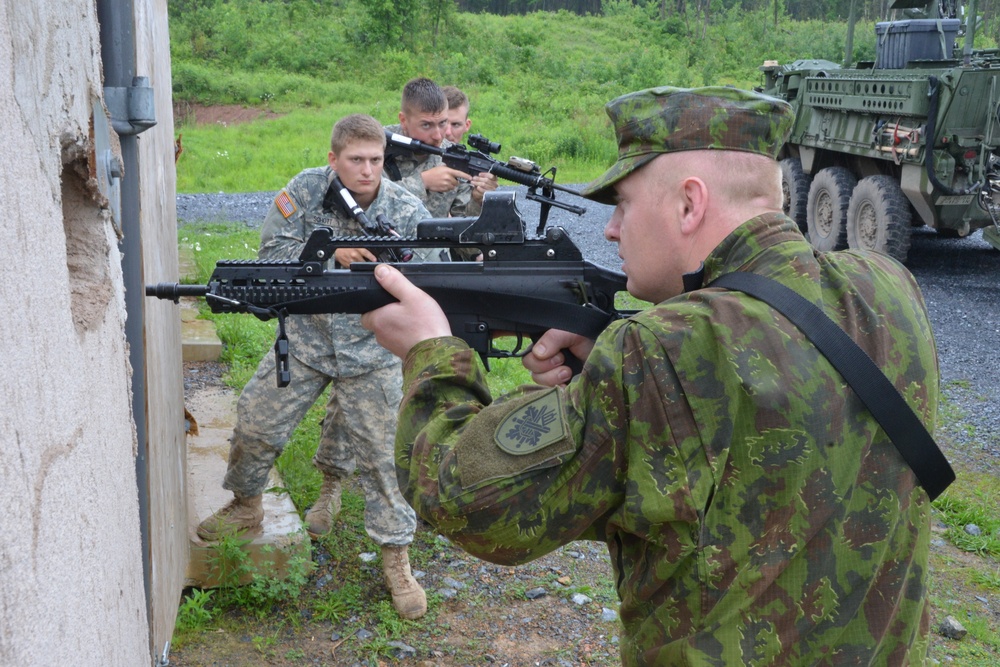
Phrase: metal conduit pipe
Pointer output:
(129, 102)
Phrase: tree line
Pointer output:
(799, 10)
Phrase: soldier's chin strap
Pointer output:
(875, 390)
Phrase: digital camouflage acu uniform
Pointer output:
(754, 511)
(328, 349)
(456, 203)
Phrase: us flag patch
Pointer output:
(284, 204)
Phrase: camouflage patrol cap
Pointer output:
(667, 119)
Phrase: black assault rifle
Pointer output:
(523, 287)
(472, 162)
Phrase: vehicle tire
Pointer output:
(879, 217)
(826, 218)
(795, 191)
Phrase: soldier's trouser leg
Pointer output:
(361, 420)
(266, 416)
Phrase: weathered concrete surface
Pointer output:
(71, 554)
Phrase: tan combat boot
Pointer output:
(240, 514)
(320, 517)
(407, 595)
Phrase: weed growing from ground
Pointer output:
(195, 612)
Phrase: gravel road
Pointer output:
(959, 279)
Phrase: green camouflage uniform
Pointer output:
(754, 511)
(334, 350)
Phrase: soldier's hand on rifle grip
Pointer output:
(556, 356)
(415, 318)
(443, 179)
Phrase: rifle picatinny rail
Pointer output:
(522, 288)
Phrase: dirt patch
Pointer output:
(193, 113)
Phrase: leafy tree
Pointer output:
(391, 21)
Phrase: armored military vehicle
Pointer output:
(910, 139)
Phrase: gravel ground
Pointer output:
(958, 278)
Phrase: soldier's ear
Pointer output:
(694, 203)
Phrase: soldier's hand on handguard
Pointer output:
(443, 179)
(547, 359)
(347, 256)
(482, 183)
(415, 318)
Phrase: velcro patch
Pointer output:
(504, 440)
(532, 427)
(285, 204)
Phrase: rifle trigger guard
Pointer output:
(516, 353)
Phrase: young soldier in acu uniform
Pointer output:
(754, 510)
(335, 351)
(423, 116)
(458, 114)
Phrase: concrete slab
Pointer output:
(199, 341)
(282, 536)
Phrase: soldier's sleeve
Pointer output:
(513, 479)
(283, 233)
(414, 183)
(463, 205)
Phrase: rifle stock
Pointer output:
(523, 287)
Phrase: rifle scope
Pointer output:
(481, 143)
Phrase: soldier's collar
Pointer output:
(694, 279)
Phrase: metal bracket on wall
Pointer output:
(106, 165)
(132, 109)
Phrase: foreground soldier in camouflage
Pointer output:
(755, 512)
(332, 350)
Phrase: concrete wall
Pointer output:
(71, 555)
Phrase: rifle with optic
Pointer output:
(517, 170)
(523, 287)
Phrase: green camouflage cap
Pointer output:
(668, 119)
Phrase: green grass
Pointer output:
(538, 83)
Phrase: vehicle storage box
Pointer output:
(899, 42)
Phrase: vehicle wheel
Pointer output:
(879, 217)
(795, 191)
(829, 196)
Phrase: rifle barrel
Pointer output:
(174, 291)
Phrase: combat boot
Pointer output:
(407, 595)
(242, 513)
(320, 517)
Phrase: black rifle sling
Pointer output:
(870, 384)
(389, 165)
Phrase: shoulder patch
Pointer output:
(532, 427)
(285, 204)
